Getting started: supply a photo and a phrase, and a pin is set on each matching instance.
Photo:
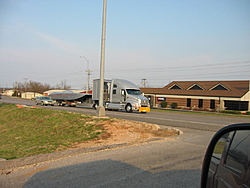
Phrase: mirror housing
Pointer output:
(123, 93)
(211, 146)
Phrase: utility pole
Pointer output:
(100, 109)
(25, 89)
(88, 74)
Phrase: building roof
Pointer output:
(202, 88)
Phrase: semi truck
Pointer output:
(118, 94)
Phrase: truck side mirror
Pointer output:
(123, 92)
(227, 153)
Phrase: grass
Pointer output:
(199, 113)
(31, 131)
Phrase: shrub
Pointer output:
(174, 105)
(248, 113)
(164, 104)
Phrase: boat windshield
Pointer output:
(133, 92)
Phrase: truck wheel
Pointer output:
(128, 108)
(95, 106)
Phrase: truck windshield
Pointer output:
(133, 92)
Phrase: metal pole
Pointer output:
(100, 109)
(88, 74)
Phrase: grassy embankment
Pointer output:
(31, 131)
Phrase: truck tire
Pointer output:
(95, 106)
(128, 108)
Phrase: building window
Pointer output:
(114, 91)
(212, 104)
(219, 87)
(175, 86)
(200, 104)
(188, 102)
(196, 87)
(237, 105)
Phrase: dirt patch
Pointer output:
(125, 131)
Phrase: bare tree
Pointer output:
(63, 85)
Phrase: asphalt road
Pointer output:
(174, 162)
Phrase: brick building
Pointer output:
(209, 95)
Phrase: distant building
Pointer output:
(8, 92)
(30, 95)
(209, 95)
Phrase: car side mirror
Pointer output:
(228, 151)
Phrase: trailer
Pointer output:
(71, 99)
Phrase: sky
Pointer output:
(157, 40)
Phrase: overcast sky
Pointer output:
(157, 40)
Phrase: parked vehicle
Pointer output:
(227, 159)
(120, 95)
(45, 101)
(0, 96)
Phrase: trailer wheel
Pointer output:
(128, 108)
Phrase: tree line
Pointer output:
(37, 87)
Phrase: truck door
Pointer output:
(115, 93)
